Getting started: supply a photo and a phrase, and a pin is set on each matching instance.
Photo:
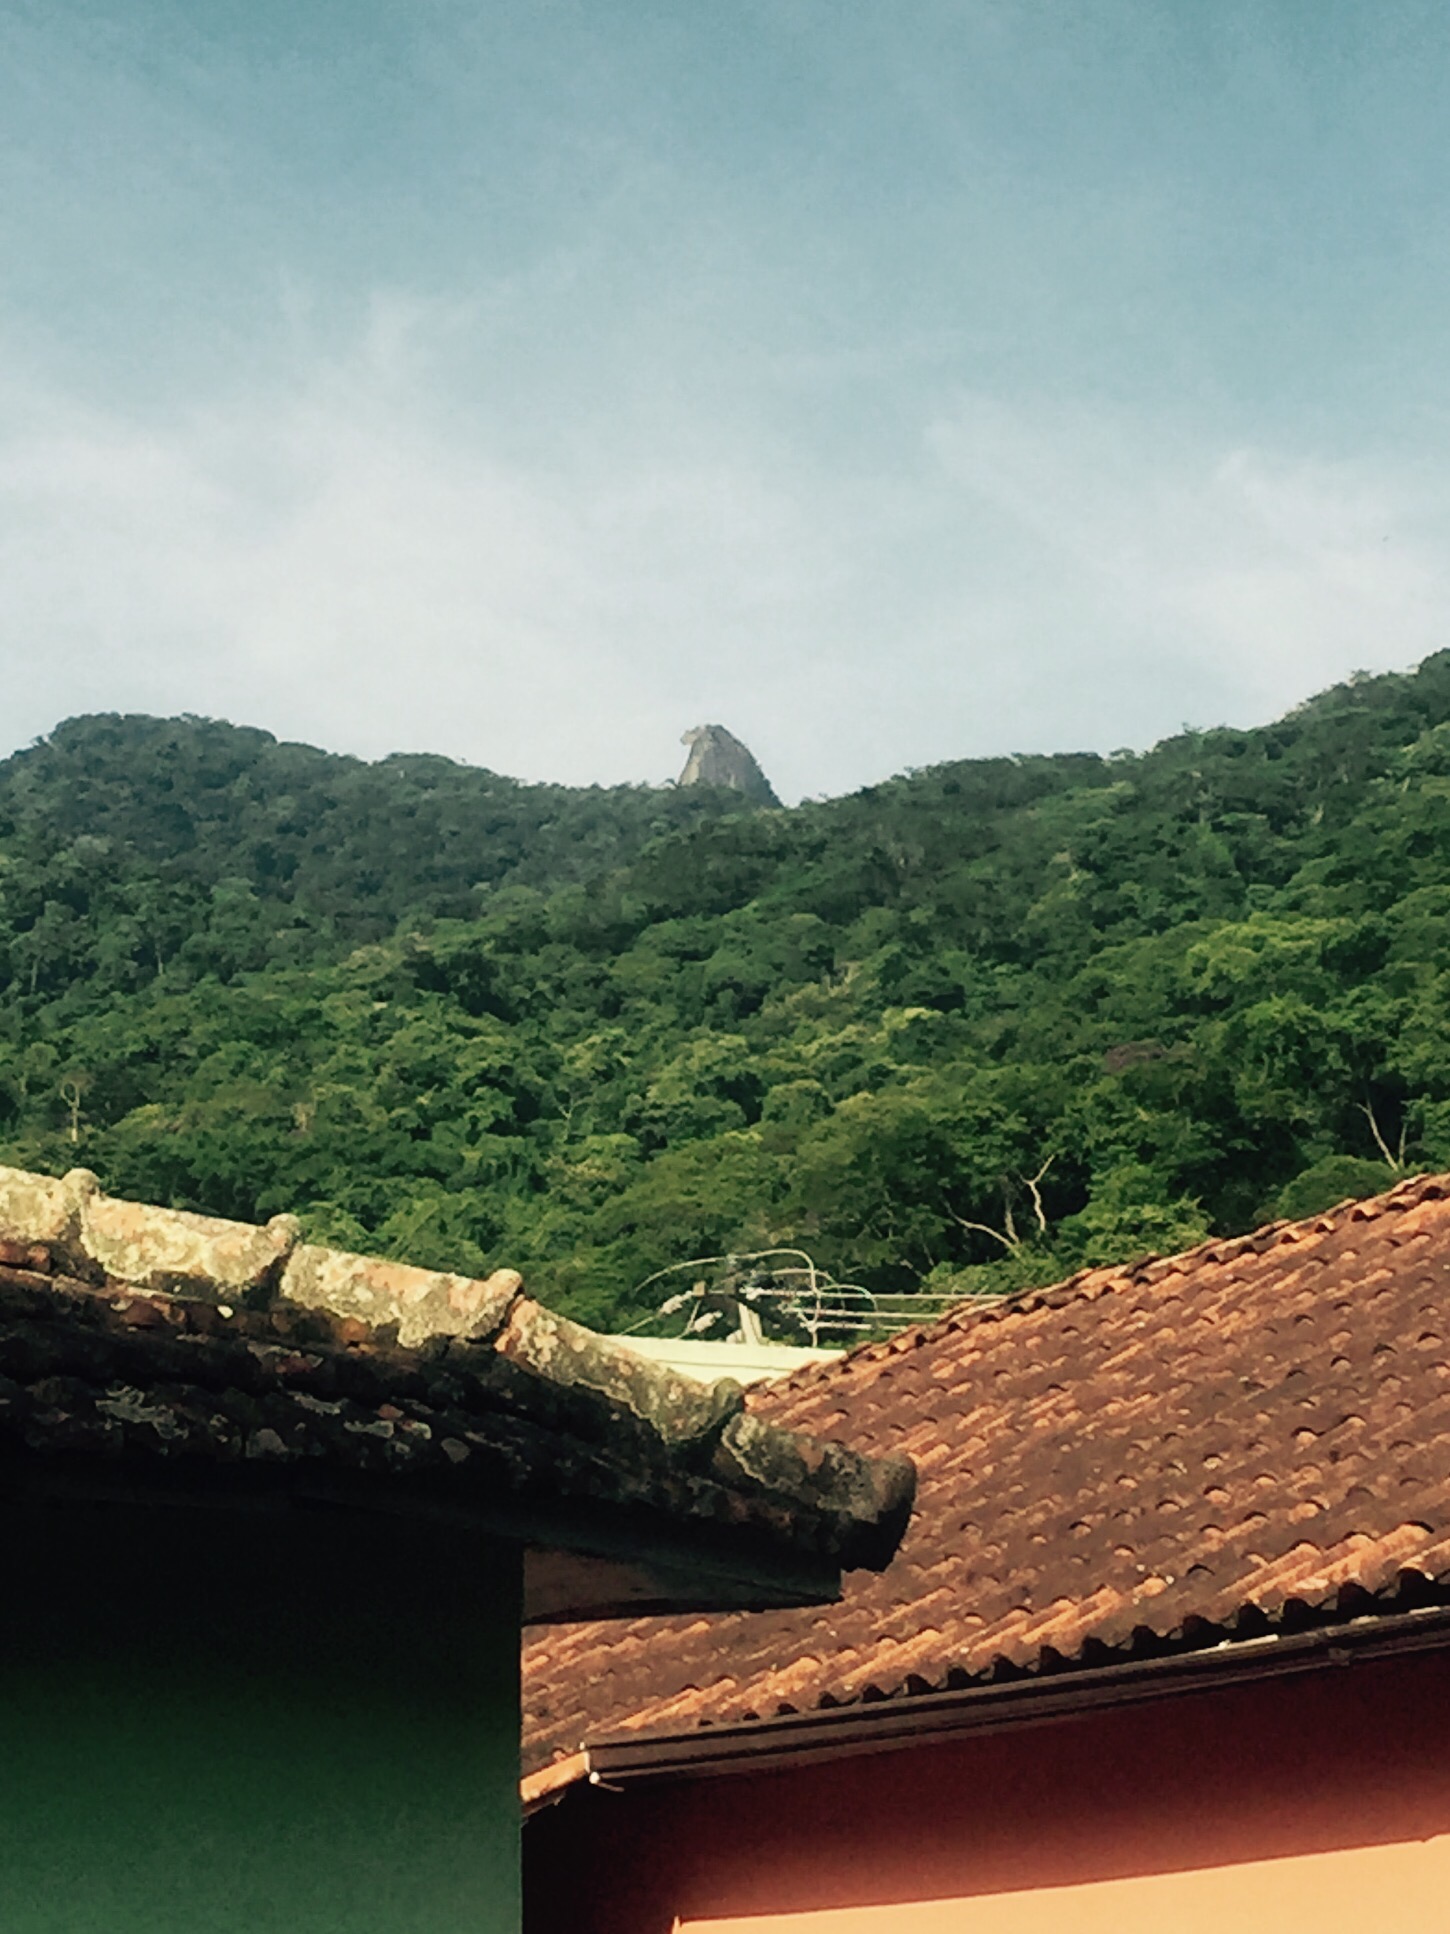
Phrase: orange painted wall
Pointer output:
(1200, 1810)
(1313, 1893)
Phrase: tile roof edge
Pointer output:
(906, 1720)
(1409, 1192)
(549, 1783)
(67, 1227)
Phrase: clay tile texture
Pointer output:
(168, 1350)
(1254, 1434)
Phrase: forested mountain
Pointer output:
(159, 824)
(972, 1026)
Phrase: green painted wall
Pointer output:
(245, 1723)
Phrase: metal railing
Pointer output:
(760, 1296)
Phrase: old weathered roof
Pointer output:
(156, 1351)
(1254, 1435)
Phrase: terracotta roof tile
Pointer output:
(1135, 1456)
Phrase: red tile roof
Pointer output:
(1257, 1430)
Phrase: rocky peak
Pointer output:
(717, 758)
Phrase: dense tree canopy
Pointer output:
(973, 1026)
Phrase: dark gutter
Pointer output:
(889, 1725)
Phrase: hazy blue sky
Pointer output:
(528, 380)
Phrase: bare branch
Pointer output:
(71, 1093)
(1036, 1193)
(1381, 1144)
(1008, 1235)
(1010, 1243)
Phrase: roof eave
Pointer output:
(579, 1563)
(636, 1491)
(916, 1719)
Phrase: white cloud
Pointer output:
(333, 564)
(1247, 573)
(343, 558)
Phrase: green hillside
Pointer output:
(972, 1026)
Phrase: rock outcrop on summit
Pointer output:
(717, 758)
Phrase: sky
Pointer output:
(530, 380)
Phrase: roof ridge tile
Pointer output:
(187, 1312)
